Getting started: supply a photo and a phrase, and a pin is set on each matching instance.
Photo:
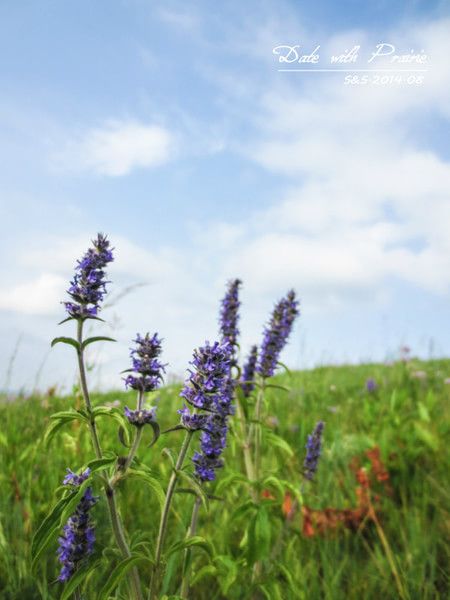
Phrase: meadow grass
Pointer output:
(405, 555)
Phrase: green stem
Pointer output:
(258, 428)
(85, 391)
(257, 567)
(109, 491)
(187, 553)
(245, 445)
(154, 581)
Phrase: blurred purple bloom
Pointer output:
(276, 334)
(371, 385)
(89, 285)
(77, 540)
(73, 479)
(192, 421)
(147, 370)
(313, 451)
(248, 372)
(140, 416)
(229, 312)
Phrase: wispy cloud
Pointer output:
(117, 148)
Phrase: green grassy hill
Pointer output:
(404, 551)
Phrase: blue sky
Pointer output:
(168, 126)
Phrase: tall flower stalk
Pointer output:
(86, 291)
(275, 337)
(207, 389)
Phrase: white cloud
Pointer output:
(366, 201)
(117, 148)
(40, 296)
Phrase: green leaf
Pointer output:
(423, 412)
(206, 571)
(426, 436)
(100, 464)
(196, 487)
(119, 572)
(77, 579)
(283, 366)
(277, 387)
(169, 454)
(274, 483)
(230, 479)
(51, 431)
(113, 413)
(151, 482)
(65, 340)
(243, 509)
(156, 433)
(49, 529)
(279, 442)
(70, 415)
(59, 419)
(65, 320)
(259, 534)
(228, 572)
(69, 508)
(195, 541)
(98, 338)
(124, 436)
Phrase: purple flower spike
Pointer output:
(229, 313)
(248, 373)
(313, 451)
(147, 370)
(78, 537)
(73, 479)
(89, 285)
(276, 334)
(141, 416)
(209, 388)
(208, 385)
(371, 385)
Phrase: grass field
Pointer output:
(402, 552)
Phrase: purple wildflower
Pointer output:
(276, 334)
(248, 373)
(313, 451)
(89, 285)
(77, 540)
(210, 388)
(73, 479)
(371, 385)
(208, 385)
(140, 416)
(146, 373)
(192, 421)
(229, 312)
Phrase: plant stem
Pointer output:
(154, 581)
(246, 447)
(133, 449)
(257, 567)
(85, 391)
(258, 428)
(187, 553)
(388, 552)
(116, 524)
